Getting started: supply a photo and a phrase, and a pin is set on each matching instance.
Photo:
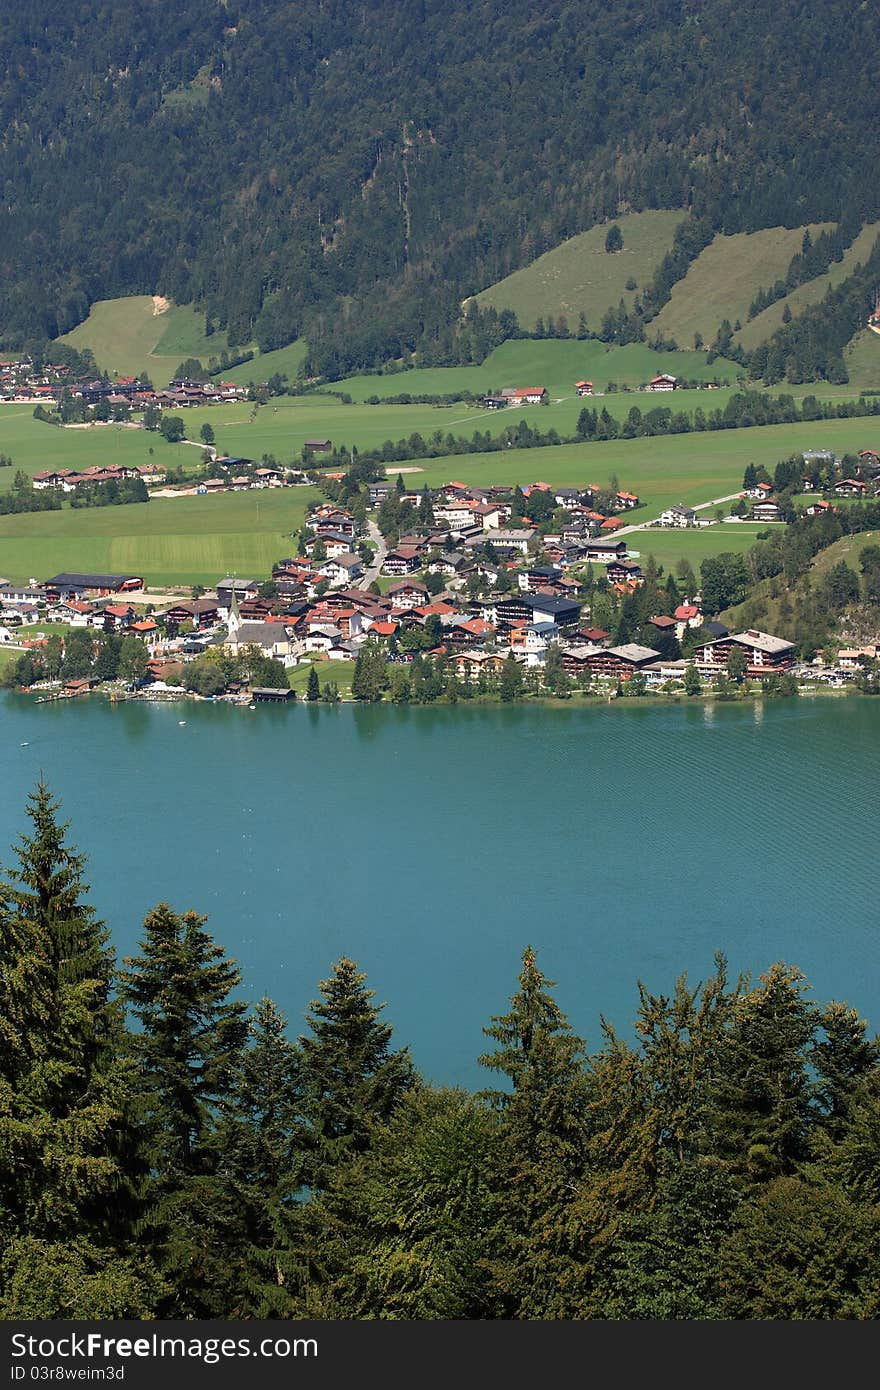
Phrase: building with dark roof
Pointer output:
(71, 584)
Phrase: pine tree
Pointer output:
(511, 684)
(192, 1032)
(350, 1079)
(844, 1058)
(544, 1144)
(313, 690)
(69, 1160)
(404, 1231)
(187, 1054)
(259, 1142)
(692, 683)
(370, 676)
(762, 1090)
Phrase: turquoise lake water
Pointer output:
(432, 845)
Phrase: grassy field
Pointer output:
(281, 427)
(35, 446)
(127, 337)
(862, 358)
(286, 360)
(339, 671)
(581, 276)
(554, 363)
(724, 279)
(765, 324)
(193, 539)
(669, 546)
(687, 468)
(186, 540)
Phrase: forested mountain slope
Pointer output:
(352, 172)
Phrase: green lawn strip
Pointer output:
(668, 546)
(186, 540)
(286, 361)
(340, 672)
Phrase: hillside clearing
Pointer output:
(765, 324)
(580, 276)
(130, 336)
(555, 363)
(724, 279)
(285, 361)
(862, 358)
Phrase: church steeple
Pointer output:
(233, 622)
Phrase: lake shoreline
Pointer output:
(45, 694)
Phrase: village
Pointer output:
(477, 581)
(23, 383)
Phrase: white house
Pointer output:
(678, 516)
(526, 395)
(456, 514)
(514, 540)
(341, 570)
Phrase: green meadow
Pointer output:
(339, 671)
(581, 276)
(556, 363)
(724, 279)
(286, 361)
(283, 425)
(689, 468)
(668, 546)
(127, 337)
(36, 447)
(182, 540)
(765, 324)
(195, 539)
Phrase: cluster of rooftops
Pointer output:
(320, 603)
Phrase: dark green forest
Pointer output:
(167, 1151)
(351, 173)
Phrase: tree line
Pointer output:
(744, 410)
(169, 1151)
